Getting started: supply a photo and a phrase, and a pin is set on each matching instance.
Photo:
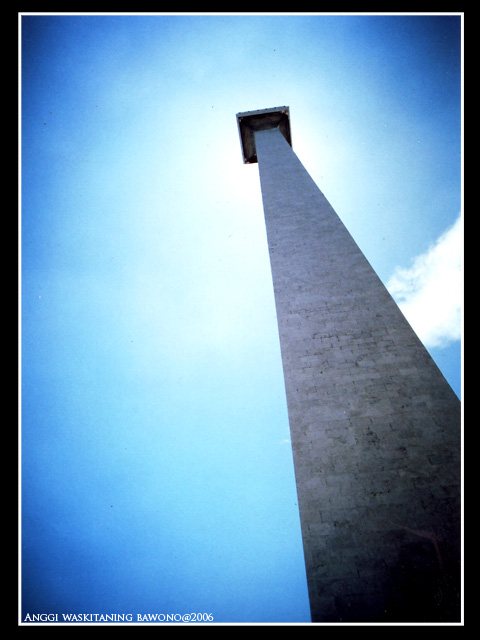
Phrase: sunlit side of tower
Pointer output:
(375, 427)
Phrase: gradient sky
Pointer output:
(157, 469)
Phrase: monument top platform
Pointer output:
(251, 121)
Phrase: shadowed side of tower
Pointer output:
(375, 427)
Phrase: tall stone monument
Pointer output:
(375, 427)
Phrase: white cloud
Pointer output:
(429, 293)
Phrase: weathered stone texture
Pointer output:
(375, 427)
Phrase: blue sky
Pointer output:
(157, 469)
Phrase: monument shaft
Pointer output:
(375, 427)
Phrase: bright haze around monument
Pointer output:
(157, 470)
